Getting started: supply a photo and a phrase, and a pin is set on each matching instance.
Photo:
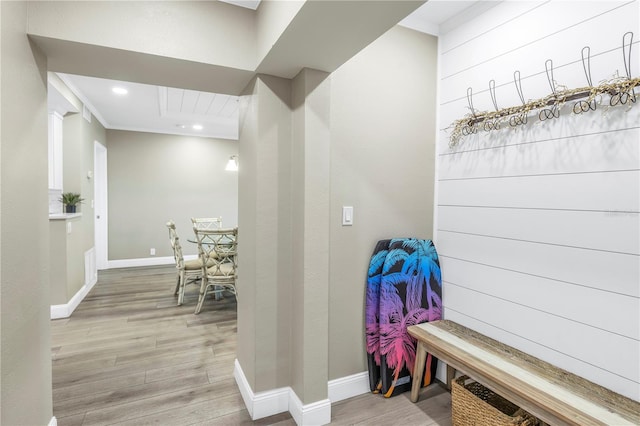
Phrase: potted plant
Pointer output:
(70, 200)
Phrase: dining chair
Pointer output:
(189, 271)
(218, 248)
(207, 222)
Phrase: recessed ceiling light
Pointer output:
(197, 127)
(119, 90)
(182, 126)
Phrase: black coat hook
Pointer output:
(471, 127)
(629, 95)
(492, 92)
(495, 123)
(586, 64)
(548, 67)
(626, 53)
(584, 106)
(470, 101)
(518, 119)
(554, 111)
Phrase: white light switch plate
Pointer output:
(347, 215)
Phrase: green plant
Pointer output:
(71, 198)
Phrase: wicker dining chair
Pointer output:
(218, 248)
(207, 222)
(188, 271)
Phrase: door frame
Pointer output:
(100, 194)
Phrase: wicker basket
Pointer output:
(474, 405)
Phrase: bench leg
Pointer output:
(451, 374)
(418, 371)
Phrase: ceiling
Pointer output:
(169, 110)
(155, 109)
(249, 4)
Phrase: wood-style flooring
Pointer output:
(129, 356)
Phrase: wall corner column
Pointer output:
(311, 197)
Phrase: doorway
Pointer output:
(100, 204)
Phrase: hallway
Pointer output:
(128, 355)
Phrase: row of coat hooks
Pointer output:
(620, 89)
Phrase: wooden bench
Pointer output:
(555, 396)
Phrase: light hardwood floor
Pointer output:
(128, 355)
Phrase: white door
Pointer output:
(100, 204)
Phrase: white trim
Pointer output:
(418, 24)
(65, 310)
(438, 141)
(269, 403)
(64, 216)
(145, 261)
(261, 404)
(228, 134)
(86, 113)
(85, 101)
(53, 421)
(441, 371)
(348, 386)
(243, 385)
(100, 205)
(316, 413)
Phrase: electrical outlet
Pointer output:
(152, 252)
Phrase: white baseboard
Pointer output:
(348, 386)
(65, 310)
(269, 403)
(53, 421)
(145, 261)
(316, 413)
(441, 371)
(261, 404)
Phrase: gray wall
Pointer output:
(277, 305)
(311, 92)
(265, 249)
(25, 352)
(66, 261)
(67, 250)
(382, 163)
(363, 136)
(217, 39)
(153, 178)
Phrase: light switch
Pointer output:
(347, 215)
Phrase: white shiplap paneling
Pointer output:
(579, 191)
(538, 227)
(596, 269)
(597, 374)
(552, 331)
(534, 291)
(598, 231)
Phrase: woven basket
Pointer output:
(474, 405)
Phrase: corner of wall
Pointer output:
(261, 404)
(316, 413)
(275, 401)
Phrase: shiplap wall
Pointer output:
(538, 227)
